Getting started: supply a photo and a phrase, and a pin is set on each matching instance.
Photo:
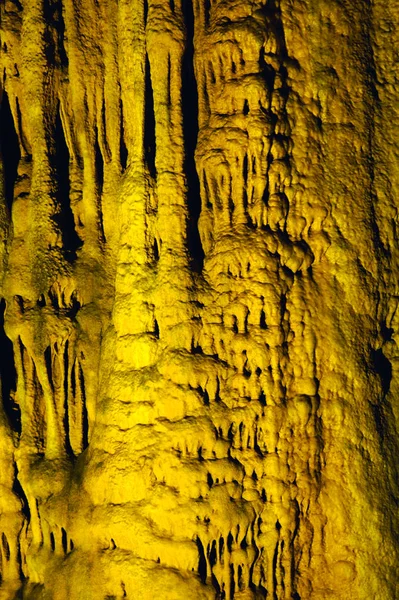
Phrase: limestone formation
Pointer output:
(199, 257)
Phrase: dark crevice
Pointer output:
(275, 559)
(156, 329)
(213, 555)
(52, 541)
(9, 146)
(8, 376)
(232, 582)
(55, 33)
(190, 134)
(169, 84)
(155, 250)
(207, 8)
(85, 419)
(123, 153)
(262, 322)
(99, 164)
(64, 540)
(201, 561)
(20, 131)
(68, 446)
(149, 123)
(64, 216)
(6, 546)
(99, 174)
(230, 541)
(49, 366)
(19, 492)
(383, 368)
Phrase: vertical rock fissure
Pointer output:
(149, 123)
(9, 149)
(190, 134)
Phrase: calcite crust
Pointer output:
(199, 288)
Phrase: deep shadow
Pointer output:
(68, 446)
(18, 491)
(85, 418)
(149, 123)
(201, 561)
(10, 151)
(99, 174)
(383, 368)
(8, 376)
(64, 216)
(123, 152)
(55, 33)
(190, 134)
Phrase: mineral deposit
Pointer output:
(199, 258)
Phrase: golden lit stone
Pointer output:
(199, 264)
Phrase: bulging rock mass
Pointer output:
(199, 257)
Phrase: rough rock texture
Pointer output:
(199, 258)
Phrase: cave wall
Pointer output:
(199, 284)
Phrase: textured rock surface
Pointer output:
(199, 259)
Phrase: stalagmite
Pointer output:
(198, 296)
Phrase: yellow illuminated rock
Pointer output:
(199, 257)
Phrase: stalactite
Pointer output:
(198, 356)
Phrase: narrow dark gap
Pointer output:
(6, 546)
(52, 541)
(383, 368)
(172, 5)
(201, 560)
(230, 541)
(145, 12)
(64, 540)
(68, 446)
(275, 558)
(85, 419)
(9, 146)
(8, 376)
(221, 547)
(123, 152)
(73, 379)
(262, 322)
(268, 72)
(149, 123)
(213, 554)
(61, 38)
(232, 582)
(190, 134)
(155, 250)
(156, 329)
(19, 492)
(99, 164)
(99, 174)
(74, 307)
(207, 7)
(169, 78)
(20, 130)
(64, 217)
(55, 33)
(49, 366)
